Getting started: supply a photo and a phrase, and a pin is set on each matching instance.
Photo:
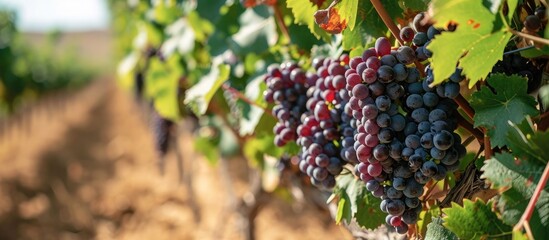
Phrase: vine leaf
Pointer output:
(162, 80)
(303, 12)
(348, 11)
(257, 31)
(436, 231)
(355, 201)
(544, 96)
(198, 96)
(527, 143)
(255, 148)
(208, 147)
(252, 114)
(480, 35)
(475, 220)
(520, 178)
(510, 102)
(419, 5)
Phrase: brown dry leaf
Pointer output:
(330, 21)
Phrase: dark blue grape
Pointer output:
(401, 72)
(398, 122)
(388, 60)
(441, 173)
(383, 120)
(420, 115)
(443, 140)
(383, 102)
(413, 189)
(423, 127)
(393, 193)
(399, 183)
(412, 141)
(437, 153)
(430, 99)
(436, 115)
(427, 140)
(385, 74)
(409, 216)
(414, 101)
(372, 185)
(429, 168)
(451, 90)
(396, 207)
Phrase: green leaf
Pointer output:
(480, 35)
(255, 148)
(198, 97)
(355, 201)
(520, 178)
(343, 208)
(162, 79)
(303, 14)
(357, 38)
(527, 143)
(348, 10)
(257, 32)
(544, 97)
(208, 148)
(426, 216)
(418, 5)
(436, 231)
(251, 118)
(475, 220)
(510, 102)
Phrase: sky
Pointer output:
(65, 15)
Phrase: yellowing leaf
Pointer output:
(477, 43)
(330, 20)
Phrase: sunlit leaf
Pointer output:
(198, 97)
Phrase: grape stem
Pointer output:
(524, 220)
(387, 20)
(242, 97)
(530, 37)
(487, 147)
(462, 102)
(216, 110)
(469, 127)
(280, 21)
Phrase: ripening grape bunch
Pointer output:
(405, 129)
(286, 88)
(325, 122)
(374, 112)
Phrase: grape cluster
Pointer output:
(536, 21)
(286, 88)
(421, 36)
(325, 122)
(404, 128)
(161, 132)
(516, 64)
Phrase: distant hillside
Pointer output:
(92, 47)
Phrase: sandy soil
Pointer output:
(82, 166)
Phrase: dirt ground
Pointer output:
(82, 166)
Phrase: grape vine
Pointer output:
(397, 107)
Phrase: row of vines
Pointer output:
(27, 72)
(425, 116)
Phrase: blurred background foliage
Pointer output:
(28, 71)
